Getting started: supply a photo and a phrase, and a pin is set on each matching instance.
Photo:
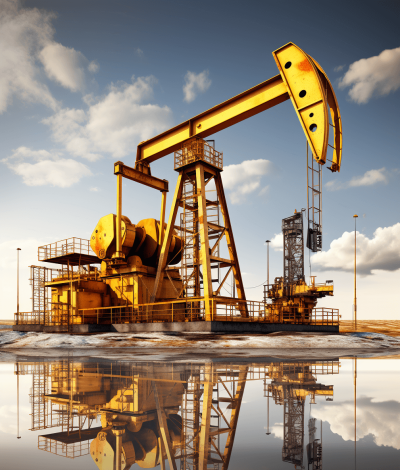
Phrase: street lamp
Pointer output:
(266, 291)
(355, 271)
(268, 242)
(18, 250)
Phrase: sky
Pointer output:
(83, 82)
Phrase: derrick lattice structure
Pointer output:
(293, 248)
(191, 266)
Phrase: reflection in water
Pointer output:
(150, 413)
(290, 385)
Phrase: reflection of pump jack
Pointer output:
(149, 412)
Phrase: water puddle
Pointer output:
(263, 413)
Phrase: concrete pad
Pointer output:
(27, 328)
(221, 327)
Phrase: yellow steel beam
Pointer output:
(162, 422)
(204, 242)
(249, 103)
(301, 79)
(167, 241)
(204, 441)
(234, 418)
(139, 177)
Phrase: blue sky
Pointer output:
(83, 82)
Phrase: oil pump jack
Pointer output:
(138, 280)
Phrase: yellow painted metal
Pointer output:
(236, 403)
(304, 81)
(253, 101)
(162, 422)
(204, 441)
(167, 241)
(118, 253)
(307, 94)
(204, 242)
(162, 216)
(140, 177)
(335, 116)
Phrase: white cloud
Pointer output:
(64, 65)
(47, 169)
(9, 414)
(93, 66)
(375, 76)
(26, 42)
(381, 252)
(276, 430)
(339, 68)
(369, 178)
(139, 52)
(195, 84)
(23, 33)
(277, 242)
(381, 419)
(244, 178)
(114, 123)
(94, 190)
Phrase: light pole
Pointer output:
(268, 242)
(18, 250)
(355, 271)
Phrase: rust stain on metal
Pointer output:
(304, 66)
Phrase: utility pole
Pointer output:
(18, 250)
(355, 271)
(268, 242)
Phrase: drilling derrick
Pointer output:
(293, 300)
(293, 257)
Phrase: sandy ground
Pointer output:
(386, 327)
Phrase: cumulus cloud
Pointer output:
(369, 178)
(375, 76)
(277, 242)
(381, 252)
(23, 33)
(244, 178)
(381, 419)
(64, 65)
(27, 48)
(46, 169)
(195, 83)
(114, 123)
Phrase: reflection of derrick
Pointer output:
(314, 447)
(293, 427)
(291, 384)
